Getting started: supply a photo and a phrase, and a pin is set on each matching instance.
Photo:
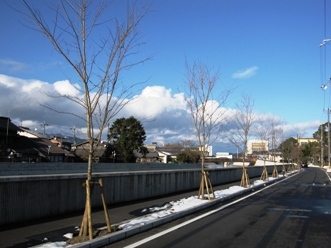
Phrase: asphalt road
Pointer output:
(293, 213)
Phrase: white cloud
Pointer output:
(12, 66)
(305, 129)
(66, 88)
(163, 114)
(247, 73)
(32, 86)
(156, 100)
(22, 100)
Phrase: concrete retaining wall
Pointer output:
(31, 197)
(11, 169)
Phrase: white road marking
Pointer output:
(297, 216)
(290, 209)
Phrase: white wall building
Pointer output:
(208, 150)
(257, 146)
(223, 155)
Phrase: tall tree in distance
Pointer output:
(322, 136)
(243, 120)
(205, 97)
(288, 148)
(98, 46)
(310, 152)
(125, 136)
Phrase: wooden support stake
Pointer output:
(264, 175)
(89, 209)
(86, 228)
(283, 170)
(275, 172)
(82, 231)
(210, 185)
(244, 179)
(104, 205)
(205, 183)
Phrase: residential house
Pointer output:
(8, 135)
(166, 154)
(150, 157)
(20, 144)
(36, 148)
(61, 142)
(81, 151)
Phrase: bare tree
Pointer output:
(243, 120)
(206, 112)
(187, 143)
(276, 137)
(262, 130)
(98, 61)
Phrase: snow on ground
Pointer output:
(176, 206)
(165, 210)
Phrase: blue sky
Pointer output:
(269, 49)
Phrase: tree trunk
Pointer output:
(86, 227)
(244, 178)
(205, 182)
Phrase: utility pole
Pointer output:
(298, 148)
(74, 132)
(44, 127)
(329, 137)
(322, 146)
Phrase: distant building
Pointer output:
(168, 153)
(305, 141)
(208, 150)
(257, 147)
(223, 155)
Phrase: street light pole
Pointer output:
(329, 137)
(324, 87)
(322, 147)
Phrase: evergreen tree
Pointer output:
(289, 149)
(126, 135)
(310, 152)
(188, 156)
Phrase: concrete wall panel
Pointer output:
(30, 197)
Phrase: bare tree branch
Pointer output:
(205, 109)
(243, 121)
(97, 62)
